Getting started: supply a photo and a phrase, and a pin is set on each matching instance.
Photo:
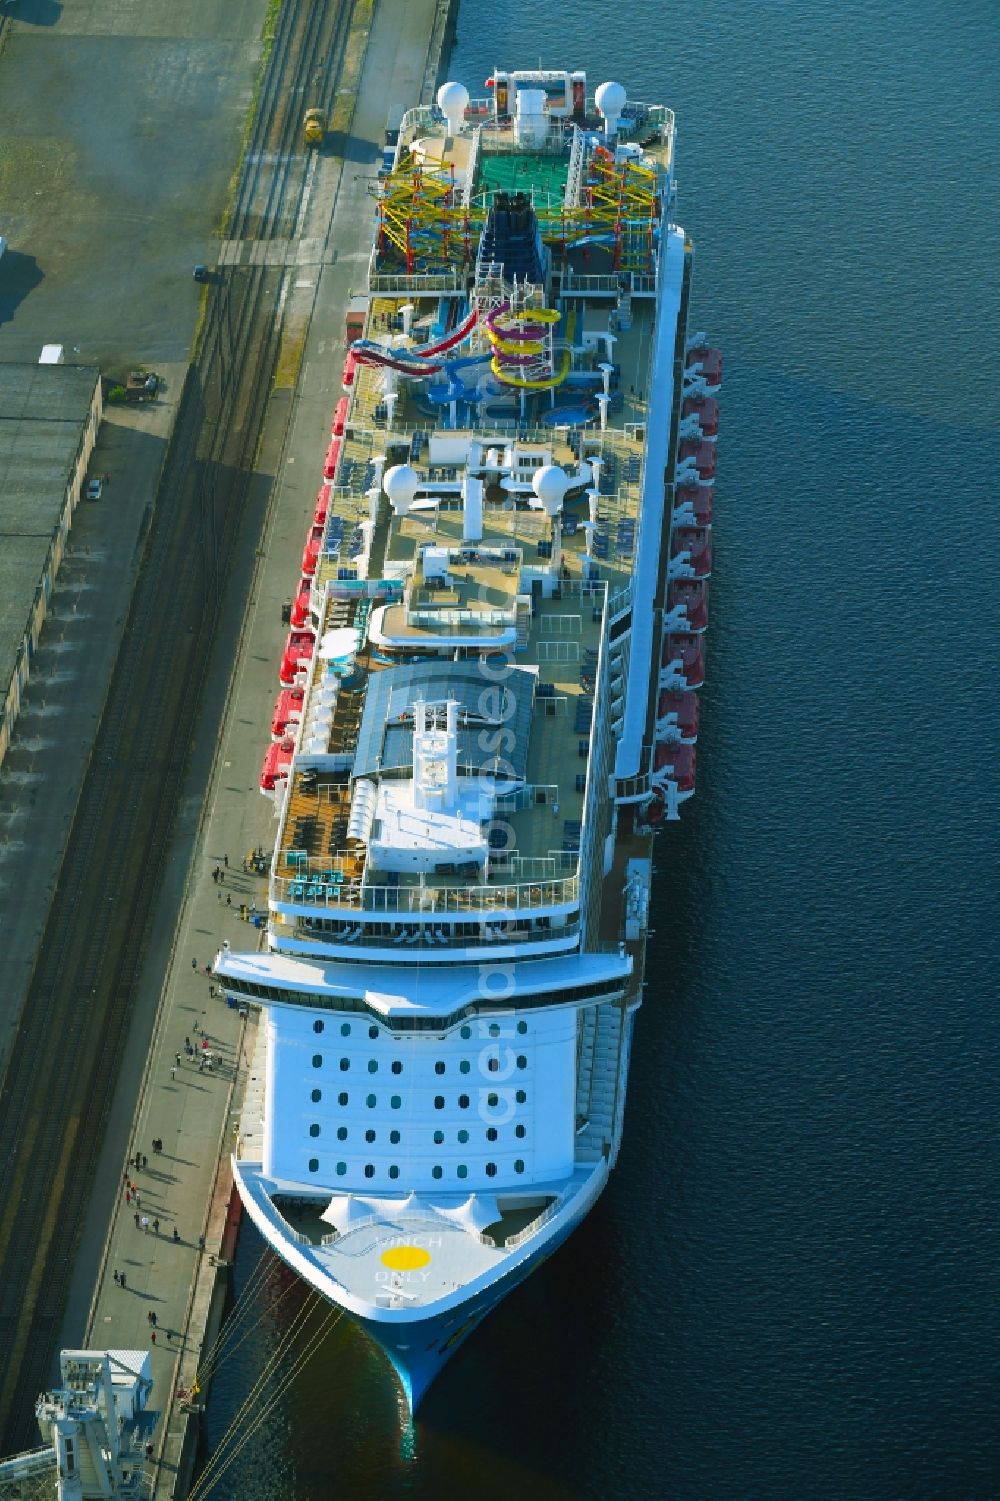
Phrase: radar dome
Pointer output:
(452, 101)
(550, 484)
(610, 100)
(401, 484)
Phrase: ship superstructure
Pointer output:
(487, 706)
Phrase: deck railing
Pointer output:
(429, 902)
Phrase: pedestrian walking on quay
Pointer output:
(145, 1159)
(152, 1317)
(194, 964)
(225, 861)
(144, 1222)
(115, 1275)
(156, 1227)
(187, 1044)
(201, 1243)
(152, 1336)
(121, 1279)
(136, 1199)
(229, 899)
(149, 1315)
(176, 1236)
(177, 1059)
(173, 1071)
(136, 1218)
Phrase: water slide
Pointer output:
(516, 347)
(418, 362)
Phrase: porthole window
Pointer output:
(341, 1133)
(439, 1102)
(491, 1133)
(345, 1064)
(463, 1136)
(466, 1033)
(463, 1102)
(317, 1060)
(519, 1166)
(369, 1135)
(491, 1170)
(396, 1102)
(316, 1096)
(522, 1061)
(438, 1137)
(521, 1131)
(439, 1068)
(369, 1170)
(494, 1029)
(341, 1169)
(317, 1025)
(373, 1033)
(314, 1129)
(465, 1066)
(394, 1138)
(462, 1170)
(437, 1172)
(493, 1063)
(522, 1027)
(345, 1029)
(492, 1099)
(520, 1097)
(314, 1164)
(371, 1102)
(343, 1097)
(397, 1067)
(394, 1171)
(373, 1065)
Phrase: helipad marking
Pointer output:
(405, 1258)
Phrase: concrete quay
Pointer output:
(177, 1271)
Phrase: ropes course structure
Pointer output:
(427, 223)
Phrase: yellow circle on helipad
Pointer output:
(405, 1258)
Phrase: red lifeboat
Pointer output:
(693, 595)
(330, 462)
(350, 369)
(703, 455)
(676, 763)
(706, 409)
(313, 547)
(287, 710)
(297, 654)
(340, 417)
(300, 604)
(689, 651)
(696, 541)
(322, 505)
(684, 706)
(277, 763)
(699, 498)
(710, 361)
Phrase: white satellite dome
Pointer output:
(401, 484)
(453, 101)
(550, 484)
(610, 100)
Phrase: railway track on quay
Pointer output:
(63, 1068)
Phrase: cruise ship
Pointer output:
(487, 710)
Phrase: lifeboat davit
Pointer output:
(689, 651)
(313, 547)
(322, 505)
(699, 498)
(340, 417)
(682, 709)
(706, 409)
(330, 462)
(297, 654)
(287, 710)
(702, 453)
(696, 542)
(300, 604)
(710, 361)
(676, 763)
(693, 595)
(277, 763)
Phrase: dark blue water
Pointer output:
(789, 1289)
